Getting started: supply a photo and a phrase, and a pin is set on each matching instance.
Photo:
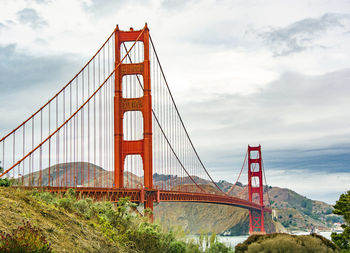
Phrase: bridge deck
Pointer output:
(142, 195)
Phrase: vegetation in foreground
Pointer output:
(279, 242)
(342, 207)
(71, 224)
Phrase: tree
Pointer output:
(342, 207)
(1, 169)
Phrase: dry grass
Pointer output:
(66, 232)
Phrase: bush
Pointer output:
(286, 243)
(70, 193)
(24, 239)
(107, 229)
(4, 182)
(83, 206)
(101, 208)
(118, 216)
(149, 238)
(46, 197)
(342, 239)
(219, 247)
(66, 203)
(177, 247)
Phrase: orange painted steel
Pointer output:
(123, 148)
(142, 195)
(256, 217)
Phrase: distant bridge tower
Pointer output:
(256, 218)
(123, 148)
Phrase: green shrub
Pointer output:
(177, 247)
(83, 206)
(286, 243)
(24, 239)
(219, 247)
(107, 229)
(342, 239)
(100, 208)
(46, 197)
(5, 182)
(66, 203)
(118, 215)
(70, 193)
(149, 238)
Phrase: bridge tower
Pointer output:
(123, 148)
(256, 218)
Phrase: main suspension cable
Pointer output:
(234, 185)
(166, 138)
(267, 186)
(177, 111)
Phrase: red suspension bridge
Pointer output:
(115, 131)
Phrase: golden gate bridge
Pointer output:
(115, 131)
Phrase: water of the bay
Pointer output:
(232, 241)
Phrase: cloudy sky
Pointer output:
(275, 73)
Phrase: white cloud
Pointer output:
(302, 34)
(312, 184)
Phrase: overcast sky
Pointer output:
(275, 73)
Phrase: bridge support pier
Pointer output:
(255, 190)
(256, 222)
